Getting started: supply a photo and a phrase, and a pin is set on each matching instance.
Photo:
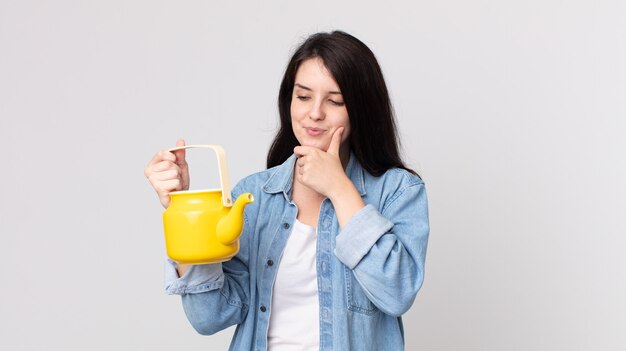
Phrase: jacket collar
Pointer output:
(282, 178)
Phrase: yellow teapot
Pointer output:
(204, 226)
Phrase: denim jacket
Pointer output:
(368, 274)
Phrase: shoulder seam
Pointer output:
(400, 193)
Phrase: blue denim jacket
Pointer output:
(368, 273)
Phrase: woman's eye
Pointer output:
(336, 103)
(302, 97)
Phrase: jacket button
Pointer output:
(270, 262)
(263, 309)
(286, 225)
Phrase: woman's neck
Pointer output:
(308, 202)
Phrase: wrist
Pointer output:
(342, 189)
(347, 201)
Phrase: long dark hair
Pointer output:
(373, 137)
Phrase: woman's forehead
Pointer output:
(312, 74)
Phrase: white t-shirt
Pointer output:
(294, 319)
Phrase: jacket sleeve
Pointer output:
(214, 296)
(386, 249)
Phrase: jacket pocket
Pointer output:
(355, 296)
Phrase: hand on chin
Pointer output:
(318, 144)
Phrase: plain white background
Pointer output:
(512, 111)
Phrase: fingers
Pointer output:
(300, 164)
(303, 150)
(170, 185)
(177, 156)
(163, 166)
(164, 160)
(163, 172)
(167, 172)
(335, 142)
(180, 154)
(160, 156)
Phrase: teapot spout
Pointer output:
(230, 226)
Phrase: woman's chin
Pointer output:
(317, 145)
(320, 146)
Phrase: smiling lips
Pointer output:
(314, 131)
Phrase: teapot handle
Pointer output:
(227, 199)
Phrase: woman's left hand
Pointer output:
(321, 170)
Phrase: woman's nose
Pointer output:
(317, 113)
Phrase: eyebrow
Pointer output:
(309, 89)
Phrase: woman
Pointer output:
(333, 248)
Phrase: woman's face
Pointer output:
(317, 107)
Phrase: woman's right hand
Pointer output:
(167, 172)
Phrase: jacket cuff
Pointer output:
(197, 279)
(360, 234)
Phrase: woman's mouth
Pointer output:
(314, 131)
